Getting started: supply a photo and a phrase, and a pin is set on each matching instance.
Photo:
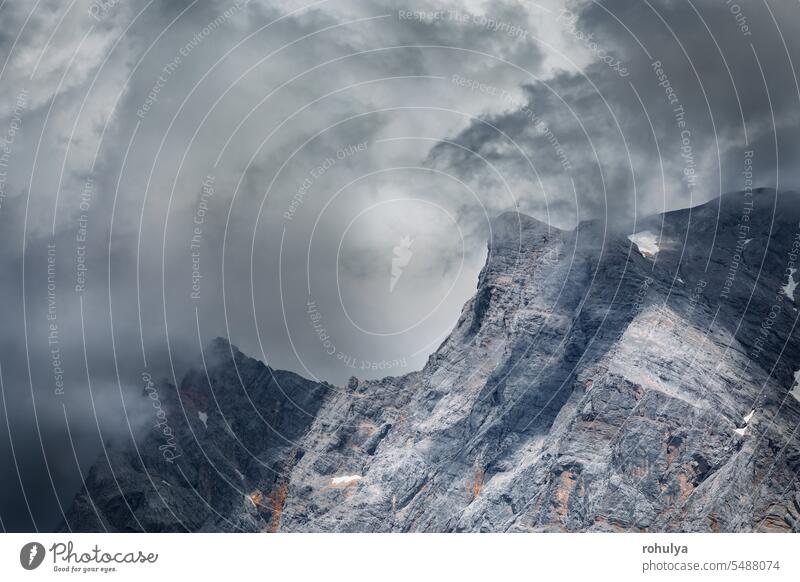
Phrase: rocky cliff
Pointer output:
(595, 382)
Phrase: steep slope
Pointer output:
(226, 436)
(590, 384)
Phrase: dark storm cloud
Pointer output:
(703, 83)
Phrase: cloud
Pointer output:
(704, 82)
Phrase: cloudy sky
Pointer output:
(316, 180)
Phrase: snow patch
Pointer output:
(203, 418)
(646, 242)
(791, 285)
(346, 480)
(747, 419)
(239, 473)
(796, 388)
(746, 241)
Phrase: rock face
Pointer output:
(589, 385)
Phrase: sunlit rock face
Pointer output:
(589, 385)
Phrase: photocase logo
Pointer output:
(402, 255)
(31, 555)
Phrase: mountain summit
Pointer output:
(596, 381)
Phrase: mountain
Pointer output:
(594, 382)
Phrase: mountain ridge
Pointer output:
(588, 385)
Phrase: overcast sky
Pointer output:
(315, 180)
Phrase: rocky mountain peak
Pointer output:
(596, 381)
